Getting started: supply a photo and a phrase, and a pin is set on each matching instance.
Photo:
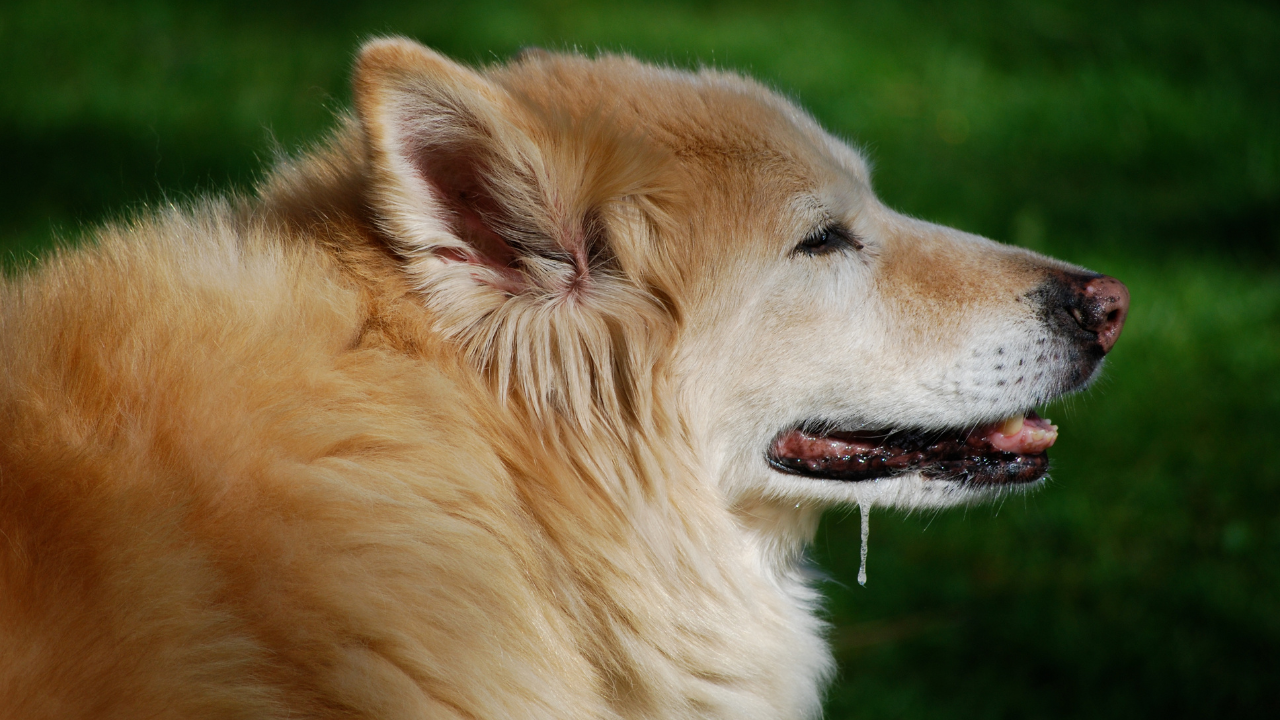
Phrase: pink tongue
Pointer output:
(1036, 436)
(797, 444)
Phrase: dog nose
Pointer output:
(1099, 305)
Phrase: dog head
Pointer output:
(599, 234)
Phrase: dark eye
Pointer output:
(829, 239)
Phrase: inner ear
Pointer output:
(457, 179)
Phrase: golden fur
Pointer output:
(441, 422)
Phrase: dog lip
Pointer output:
(983, 455)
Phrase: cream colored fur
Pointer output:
(463, 415)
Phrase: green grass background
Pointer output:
(1140, 139)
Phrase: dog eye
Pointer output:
(829, 239)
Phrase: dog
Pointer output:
(519, 397)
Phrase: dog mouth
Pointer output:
(1009, 452)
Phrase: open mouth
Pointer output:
(1008, 452)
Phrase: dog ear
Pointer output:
(500, 207)
(454, 177)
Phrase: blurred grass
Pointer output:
(1142, 140)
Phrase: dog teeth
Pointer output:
(1044, 435)
(1013, 425)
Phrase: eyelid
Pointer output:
(838, 235)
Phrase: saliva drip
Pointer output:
(863, 508)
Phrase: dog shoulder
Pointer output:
(214, 400)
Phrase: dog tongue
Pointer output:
(800, 444)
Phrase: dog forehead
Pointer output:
(709, 119)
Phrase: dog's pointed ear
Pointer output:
(454, 176)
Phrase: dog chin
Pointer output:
(909, 491)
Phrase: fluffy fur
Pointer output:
(463, 414)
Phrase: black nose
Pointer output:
(1093, 304)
